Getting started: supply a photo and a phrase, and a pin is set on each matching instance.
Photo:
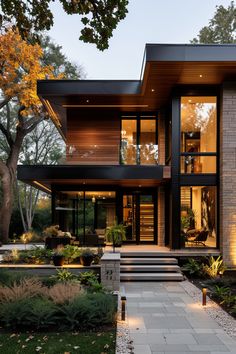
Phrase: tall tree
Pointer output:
(221, 28)
(20, 68)
(99, 17)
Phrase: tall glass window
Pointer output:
(198, 134)
(198, 216)
(129, 141)
(139, 141)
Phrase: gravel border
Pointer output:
(124, 344)
(224, 320)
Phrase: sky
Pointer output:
(148, 21)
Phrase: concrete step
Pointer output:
(151, 277)
(150, 268)
(139, 260)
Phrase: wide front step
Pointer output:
(147, 260)
(151, 276)
(149, 268)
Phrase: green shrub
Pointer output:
(64, 275)
(86, 278)
(89, 311)
(220, 291)
(71, 252)
(41, 313)
(228, 300)
(213, 267)
(193, 268)
(34, 313)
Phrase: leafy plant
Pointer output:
(87, 252)
(13, 314)
(51, 231)
(63, 275)
(41, 313)
(116, 234)
(71, 252)
(86, 278)
(9, 277)
(220, 292)
(214, 266)
(193, 268)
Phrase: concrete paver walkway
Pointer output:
(163, 318)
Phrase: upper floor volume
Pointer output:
(112, 122)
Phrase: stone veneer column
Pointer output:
(228, 174)
(110, 271)
(161, 217)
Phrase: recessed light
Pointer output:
(140, 185)
(153, 90)
(87, 101)
(190, 101)
(83, 182)
(200, 75)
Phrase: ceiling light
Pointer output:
(87, 101)
(190, 101)
(153, 90)
(200, 75)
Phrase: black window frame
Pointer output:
(138, 116)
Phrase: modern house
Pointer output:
(158, 154)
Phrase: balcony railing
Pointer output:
(146, 154)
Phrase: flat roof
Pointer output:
(164, 67)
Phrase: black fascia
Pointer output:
(88, 87)
(190, 52)
(49, 172)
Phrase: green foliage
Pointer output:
(36, 255)
(71, 252)
(87, 252)
(116, 234)
(41, 313)
(213, 267)
(221, 28)
(86, 278)
(89, 311)
(193, 268)
(99, 17)
(64, 275)
(228, 300)
(13, 314)
(220, 291)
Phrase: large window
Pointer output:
(85, 212)
(198, 216)
(198, 134)
(139, 141)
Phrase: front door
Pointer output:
(139, 210)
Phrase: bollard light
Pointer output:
(204, 293)
(123, 305)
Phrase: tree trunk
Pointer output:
(7, 203)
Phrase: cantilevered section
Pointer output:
(42, 177)
(164, 67)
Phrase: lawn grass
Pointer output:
(59, 343)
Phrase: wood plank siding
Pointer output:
(93, 137)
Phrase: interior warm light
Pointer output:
(200, 75)
(42, 186)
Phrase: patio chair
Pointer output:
(201, 238)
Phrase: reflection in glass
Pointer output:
(129, 216)
(198, 124)
(198, 216)
(148, 148)
(146, 218)
(198, 164)
(129, 141)
(85, 213)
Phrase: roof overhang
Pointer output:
(45, 176)
(165, 66)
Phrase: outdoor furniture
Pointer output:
(54, 242)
